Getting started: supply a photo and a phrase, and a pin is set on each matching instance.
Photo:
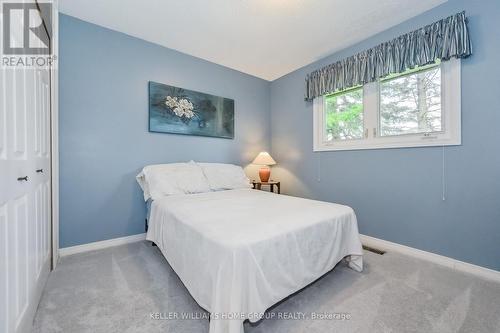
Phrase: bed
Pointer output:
(240, 251)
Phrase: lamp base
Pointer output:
(264, 174)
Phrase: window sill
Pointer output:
(383, 144)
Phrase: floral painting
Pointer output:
(181, 111)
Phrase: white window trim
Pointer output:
(451, 113)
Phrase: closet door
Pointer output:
(25, 193)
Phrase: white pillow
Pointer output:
(225, 176)
(169, 179)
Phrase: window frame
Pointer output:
(450, 134)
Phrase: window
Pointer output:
(420, 107)
(411, 103)
(344, 115)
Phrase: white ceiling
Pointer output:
(264, 38)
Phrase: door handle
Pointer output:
(39, 171)
(25, 178)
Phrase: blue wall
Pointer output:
(104, 138)
(396, 193)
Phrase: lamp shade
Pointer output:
(264, 159)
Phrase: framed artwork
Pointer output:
(182, 111)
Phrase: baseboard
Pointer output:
(66, 251)
(377, 243)
(458, 265)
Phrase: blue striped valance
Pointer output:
(441, 40)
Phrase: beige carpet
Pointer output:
(122, 289)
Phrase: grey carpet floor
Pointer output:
(117, 290)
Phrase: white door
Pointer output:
(25, 194)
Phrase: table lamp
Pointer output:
(264, 159)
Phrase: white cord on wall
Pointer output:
(318, 178)
(443, 177)
(443, 172)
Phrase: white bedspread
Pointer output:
(238, 252)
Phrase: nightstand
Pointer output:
(271, 184)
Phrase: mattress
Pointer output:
(239, 252)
